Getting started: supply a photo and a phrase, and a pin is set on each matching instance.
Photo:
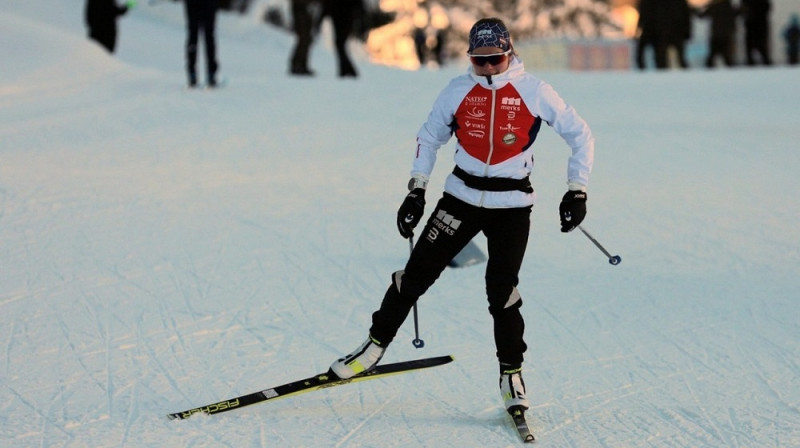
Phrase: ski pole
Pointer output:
(418, 343)
(613, 259)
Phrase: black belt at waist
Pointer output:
(493, 183)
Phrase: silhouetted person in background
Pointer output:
(757, 30)
(648, 34)
(721, 39)
(679, 28)
(201, 17)
(663, 24)
(348, 19)
(303, 25)
(101, 19)
(792, 37)
(430, 33)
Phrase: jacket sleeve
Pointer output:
(435, 132)
(563, 118)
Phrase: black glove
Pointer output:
(572, 210)
(410, 212)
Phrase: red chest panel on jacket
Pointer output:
(496, 129)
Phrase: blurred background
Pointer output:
(549, 34)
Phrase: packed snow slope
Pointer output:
(163, 248)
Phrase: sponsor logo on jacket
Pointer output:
(514, 126)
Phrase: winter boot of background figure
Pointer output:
(512, 389)
(363, 359)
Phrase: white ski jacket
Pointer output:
(495, 125)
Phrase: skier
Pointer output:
(302, 25)
(101, 19)
(649, 31)
(347, 17)
(680, 14)
(201, 16)
(430, 33)
(495, 111)
(757, 30)
(792, 37)
(663, 24)
(722, 39)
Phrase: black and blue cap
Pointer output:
(489, 33)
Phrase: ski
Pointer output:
(522, 426)
(316, 382)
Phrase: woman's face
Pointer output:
(486, 66)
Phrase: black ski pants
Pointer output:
(451, 226)
(201, 16)
(303, 25)
(342, 16)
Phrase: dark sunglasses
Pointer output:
(492, 59)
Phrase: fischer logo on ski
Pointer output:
(212, 408)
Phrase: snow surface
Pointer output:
(163, 249)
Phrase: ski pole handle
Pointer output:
(613, 259)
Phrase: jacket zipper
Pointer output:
(491, 141)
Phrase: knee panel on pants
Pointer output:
(500, 301)
(408, 288)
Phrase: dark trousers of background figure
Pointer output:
(720, 47)
(757, 43)
(101, 19)
(660, 52)
(105, 37)
(343, 21)
(451, 226)
(302, 23)
(791, 36)
(201, 17)
(424, 52)
(793, 55)
(680, 52)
